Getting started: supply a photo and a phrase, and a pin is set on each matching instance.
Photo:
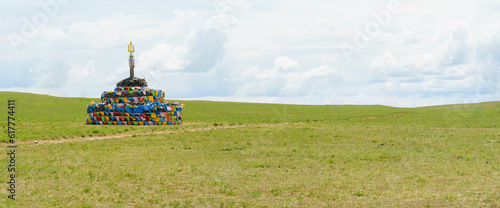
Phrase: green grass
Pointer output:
(308, 156)
(42, 117)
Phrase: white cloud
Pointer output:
(220, 21)
(162, 58)
(321, 71)
(205, 44)
(285, 63)
(273, 51)
(228, 6)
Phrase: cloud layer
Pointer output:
(399, 53)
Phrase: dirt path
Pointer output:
(31, 142)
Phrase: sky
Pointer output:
(402, 53)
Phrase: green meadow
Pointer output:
(255, 155)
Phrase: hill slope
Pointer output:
(271, 156)
(46, 117)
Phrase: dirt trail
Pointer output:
(79, 139)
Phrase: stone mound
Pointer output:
(132, 82)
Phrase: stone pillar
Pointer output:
(131, 63)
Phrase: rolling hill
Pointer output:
(257, 155)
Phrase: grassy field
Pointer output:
(258, 155)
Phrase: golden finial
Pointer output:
(131, 48)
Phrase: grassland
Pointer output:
(266, 155)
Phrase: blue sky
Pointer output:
(390, 52)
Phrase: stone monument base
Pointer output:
(132, 82)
